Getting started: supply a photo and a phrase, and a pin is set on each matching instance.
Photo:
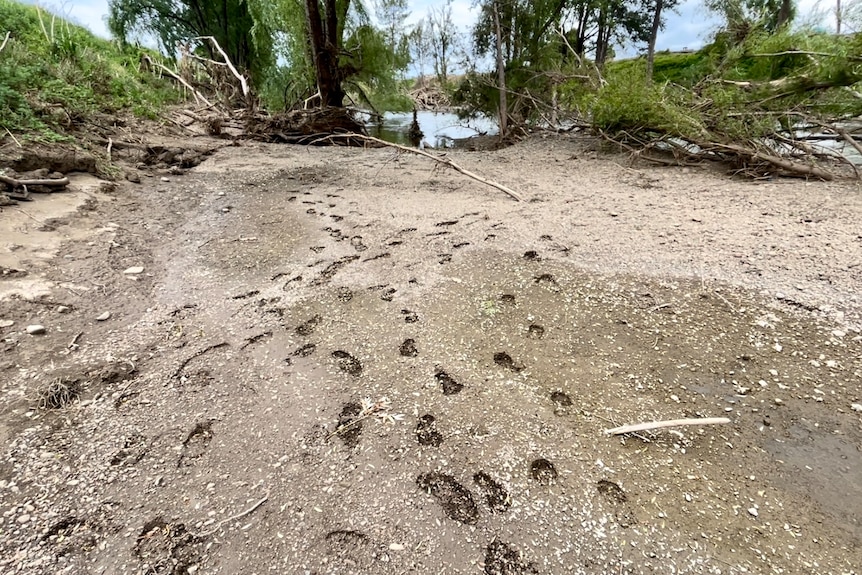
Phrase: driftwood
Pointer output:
(47, 183)
(669, 423)
(439, 159)
(242, 81)
(197, 95)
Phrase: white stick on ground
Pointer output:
(669, 423)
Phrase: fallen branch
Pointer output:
(444, 161)
(175, 76)
(243, 82)
(5, 40)
(59, 183)
(669, 423)
(234, 517)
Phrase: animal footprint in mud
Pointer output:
(535, 331)
(501, 559)
(444, 258)
(349, 427)
(507, 299)
(615, 495)
(562, 402)
(343, 294)
(356, 242)
(503, 359)
(532, 256)
(543, 471)
(495, 494)
(388, 295)
(426, 431)
(308, 327)
(450, 386)
(410, 316)
(196, 442)
(305, 350)
(454, 498)
(347, 363)
(549, 280)
(408, 348)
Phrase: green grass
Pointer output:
(55, 75)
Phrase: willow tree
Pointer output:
(233, 23)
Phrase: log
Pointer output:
(669, 423)
(441, 160)
(60, 183)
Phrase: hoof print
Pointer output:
(561, 399)
(453, 497)
(410, 316)
(347, 363)
(535, 331)
(408, 348)
(426, 432)
(309, 326)
(543, 471)
(501, 559)
(343, 294)
(450, 386)
(611, 491)
(495, 494)
(503, 359)
(349, 428)
(532, 256)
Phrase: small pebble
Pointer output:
(164, 179)
(63, 309)
(105, 316)
(221, 193)
(134, 270)
(752, 511)
(396, 547)
(856, 407)
(36, 329)
(23, 518)
(6, 323)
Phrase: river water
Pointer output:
(441, 129)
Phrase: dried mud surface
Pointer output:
(345, 361)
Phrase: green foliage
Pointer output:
(54, 75)
(235, 24)
(627, 103)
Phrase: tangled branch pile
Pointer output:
(782, 104)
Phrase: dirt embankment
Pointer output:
(337, 360)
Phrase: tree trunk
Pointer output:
(653, 34)
(324, 54)
(784, 13)
(501, 73)
(838, 18)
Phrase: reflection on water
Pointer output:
(441, 129)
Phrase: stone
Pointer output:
(36, 329)
(6, 323)
(104, 317)
(134, 270)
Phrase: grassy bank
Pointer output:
(54, 76)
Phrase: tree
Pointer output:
(419, 41)
(391, 16)
(248, 44)
(743, 16)
(657, 24)
(443, 37)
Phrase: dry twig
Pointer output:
(439, 159)
(668, 423)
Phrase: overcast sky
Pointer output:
(689, 26)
